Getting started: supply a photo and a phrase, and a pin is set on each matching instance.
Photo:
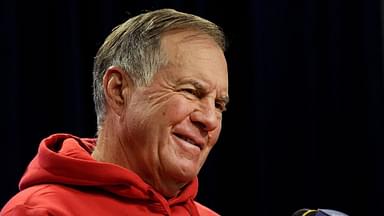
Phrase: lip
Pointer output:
(191, 139)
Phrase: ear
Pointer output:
(115, 83)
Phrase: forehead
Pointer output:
(175, 40)
(191, 54)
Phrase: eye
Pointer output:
(191, 91)
(220, 106)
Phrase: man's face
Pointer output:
(171, 125)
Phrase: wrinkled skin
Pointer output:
(165, 131)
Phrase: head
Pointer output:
(160, 89)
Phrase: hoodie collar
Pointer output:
(66, 159)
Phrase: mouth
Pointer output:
(189, 140)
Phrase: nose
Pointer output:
(206, 116)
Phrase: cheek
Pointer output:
(214, 135)
(177, 109)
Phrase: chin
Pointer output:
(186, 174)
(182, 170)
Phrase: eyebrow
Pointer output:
(225, 99)
(200, 87)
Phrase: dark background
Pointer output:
(304, 127)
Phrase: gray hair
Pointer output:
(135, 47)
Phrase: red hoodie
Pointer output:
(63, 179)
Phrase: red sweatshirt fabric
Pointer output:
(63, 179)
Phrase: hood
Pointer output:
(66, 159)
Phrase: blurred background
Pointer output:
(304, 128)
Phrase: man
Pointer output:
(160, 88)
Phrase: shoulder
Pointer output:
(24, 210)
(36, 200)
(23, 203)
(205, 211)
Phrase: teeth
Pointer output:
(187, 140)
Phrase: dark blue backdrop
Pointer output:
(304, 127)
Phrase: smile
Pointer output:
(188, 140)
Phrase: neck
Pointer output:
(111, 148)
